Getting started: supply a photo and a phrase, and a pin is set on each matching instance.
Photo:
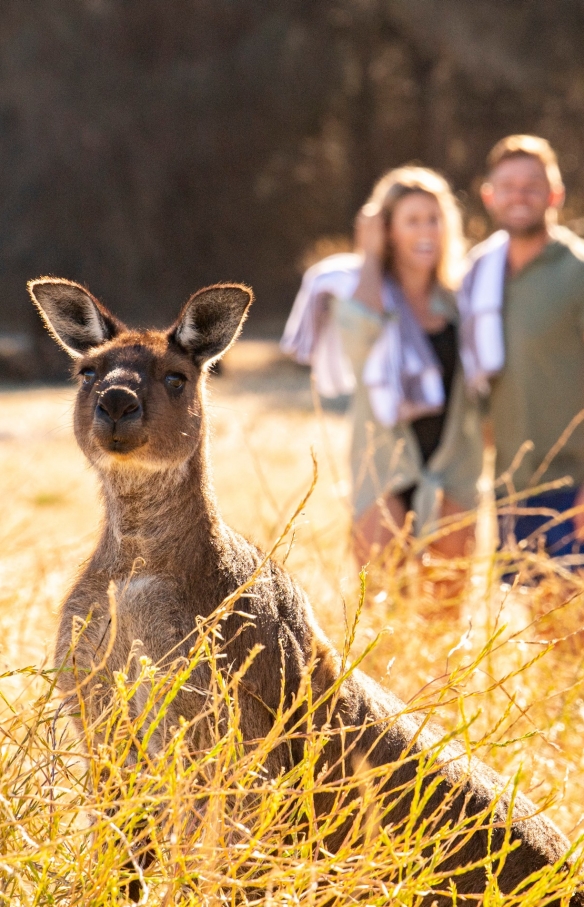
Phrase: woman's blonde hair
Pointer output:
(402, 181)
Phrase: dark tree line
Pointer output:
(149, 148)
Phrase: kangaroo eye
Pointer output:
(88, 374)
(176, 382)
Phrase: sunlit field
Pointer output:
(500, 664)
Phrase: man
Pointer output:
(536, 396)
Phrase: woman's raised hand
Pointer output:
(370, 231)
(370, 239)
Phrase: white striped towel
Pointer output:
(482, 343)
(402, 372)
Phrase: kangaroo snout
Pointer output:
(117, 404)
(117, 419)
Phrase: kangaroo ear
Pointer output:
(73, 316)
(211, 320)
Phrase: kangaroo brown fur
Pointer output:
(140, 420)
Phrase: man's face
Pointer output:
(518, 195)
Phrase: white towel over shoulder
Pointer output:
(402, 373)
(481, 304)
(310, 335)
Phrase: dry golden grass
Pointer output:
(504, 667)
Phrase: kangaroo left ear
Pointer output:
(75, 318)
(211, 320)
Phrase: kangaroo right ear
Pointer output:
(211, 320)
(73, 316)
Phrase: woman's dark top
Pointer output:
(428, 429)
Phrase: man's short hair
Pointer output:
(527, 146)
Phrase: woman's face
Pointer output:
(416, 231)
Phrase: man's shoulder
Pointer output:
(564, 240)
(494, 241)
(495, 245)
(572, 243)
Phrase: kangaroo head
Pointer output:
(138, 403)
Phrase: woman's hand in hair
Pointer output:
(370, 232)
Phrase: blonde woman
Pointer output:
(384, 320)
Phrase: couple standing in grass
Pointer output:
(431, 357)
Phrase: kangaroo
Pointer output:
(140, 420)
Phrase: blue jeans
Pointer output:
(560, 539)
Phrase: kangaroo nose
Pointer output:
(117, 402)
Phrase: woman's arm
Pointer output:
(370, 240)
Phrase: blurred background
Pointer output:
(150, 148)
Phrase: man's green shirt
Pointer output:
(541, 388)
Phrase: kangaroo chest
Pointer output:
(142, 612)
(153, 608)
